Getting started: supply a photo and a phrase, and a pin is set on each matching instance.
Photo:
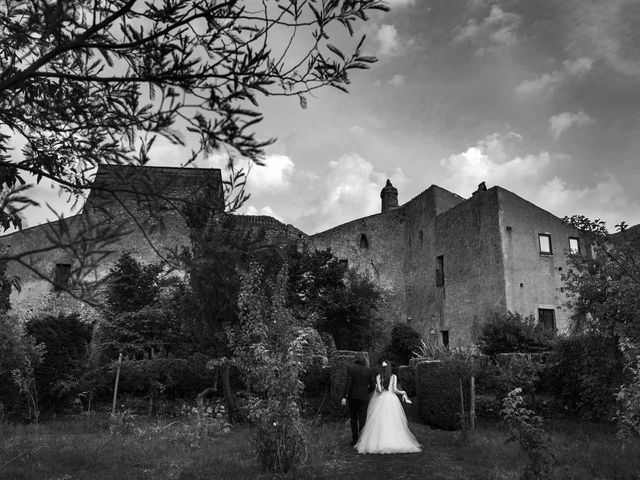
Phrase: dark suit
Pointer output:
(360, 381)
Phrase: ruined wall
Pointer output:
(532, 278)
(468, 238)
(380, 255)
(419, 258)
(146, 204)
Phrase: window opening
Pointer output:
(61, 278)
(364, 242)
(440, 271)
(544, 240)
(547, 317)
(574, 245)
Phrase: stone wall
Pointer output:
(422, 296)
(145, 205)
(375, 246)
(468, 238)
(532, 278)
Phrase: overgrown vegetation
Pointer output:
(59, 377)
(268, 347)
(405, 341)
(604, 295)
(513, 333)
(20, 355)
(525, 427)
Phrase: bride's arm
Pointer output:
(378, 384)
(394, 387)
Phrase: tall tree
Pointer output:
(603, 286)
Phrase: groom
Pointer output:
(360, 381)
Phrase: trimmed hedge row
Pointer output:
(438, 390)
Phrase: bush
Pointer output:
(525, 427)
(66, 339)
(132, 285)
(438, 390)
(19, 356)
(508, 372)
(404, 341)
(628, 414)
(585, 373)
(145, 333)
(510, 332)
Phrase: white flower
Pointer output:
(384, 364)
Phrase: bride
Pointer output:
(386, 429)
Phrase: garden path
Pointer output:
(437, 461)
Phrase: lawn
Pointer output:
(84, 448)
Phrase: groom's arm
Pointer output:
(347, 383)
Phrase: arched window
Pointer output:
(364, 243)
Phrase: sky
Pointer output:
(541, 97)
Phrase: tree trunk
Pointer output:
(228, 394)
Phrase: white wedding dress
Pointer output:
(386, 429)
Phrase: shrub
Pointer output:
(585, 373)
(132, 285)
(66, 339)
(438, 391)
(510, 332)
(19, 356)
(628, 413)
(508, 372)
(525, 427)
(404, 341)
(148, 332)
(268, 347)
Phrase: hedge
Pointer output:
(438, 390)
(407, 380)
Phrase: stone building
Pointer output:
(449, 263)
(445, 263)
(140, 210)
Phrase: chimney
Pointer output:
(389, 196)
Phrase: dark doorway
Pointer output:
(445, 338)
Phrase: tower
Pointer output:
(389, 196)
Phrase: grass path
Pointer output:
(157, 450)
(439, 459)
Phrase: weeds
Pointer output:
(525, 427)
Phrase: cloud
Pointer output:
(608, 31)
(492, 33)
(397, 80)
(558, 124)
(400, 3)
(388, 40)
(272, 177)
(530, 176)
(351, 190)
(491, 160)
(606, 199)
(266, 210)
(549, 81)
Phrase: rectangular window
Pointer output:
(574, 245)
(440, 271)
(61, 278)
(547, 317)
(544, 239)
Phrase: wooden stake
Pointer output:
(462, 405)
(472, 406)
(115, 388)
